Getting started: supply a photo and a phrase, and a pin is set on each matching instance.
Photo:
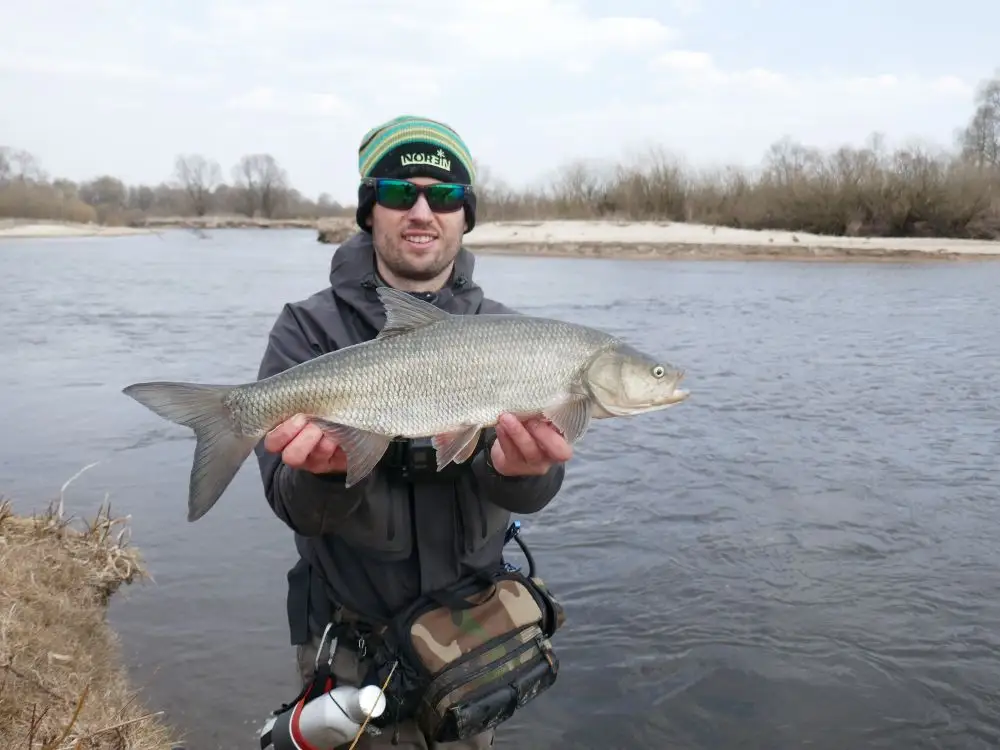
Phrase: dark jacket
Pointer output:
(378, 545)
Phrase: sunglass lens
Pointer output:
(445, 197)
(396, 194)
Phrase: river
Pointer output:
(802, 555)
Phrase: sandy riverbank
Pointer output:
(42, 230)
(62, 682)
(677, 240)
(27, 229)
(699, 241)
(229, 221)
(584, 238)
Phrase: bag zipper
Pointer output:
(454, 682)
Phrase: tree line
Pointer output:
(259, 188)
(865, 190)
(868, 190)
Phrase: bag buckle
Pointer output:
(419, 458)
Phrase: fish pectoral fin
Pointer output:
(571, 417)
(364, 449)
(456, 446)
(405, 313)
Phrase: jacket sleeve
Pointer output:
(310, 504)
(521, 495)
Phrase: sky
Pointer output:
(122, 86)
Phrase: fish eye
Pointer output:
(658, 371)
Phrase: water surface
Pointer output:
(803, 555)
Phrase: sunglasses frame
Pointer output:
(373, 182)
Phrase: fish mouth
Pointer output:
(674, 397)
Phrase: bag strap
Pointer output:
(449, 598)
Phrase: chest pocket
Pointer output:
(381, 527)
(481, 523)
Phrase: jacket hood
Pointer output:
(353, 280)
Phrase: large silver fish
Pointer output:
(429, 373)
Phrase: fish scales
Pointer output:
(462, 371)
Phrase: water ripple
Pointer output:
(803, 555)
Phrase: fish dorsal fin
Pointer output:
(405, 313)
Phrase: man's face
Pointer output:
(417, 245)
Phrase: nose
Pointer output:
(421, 211)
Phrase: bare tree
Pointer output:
(105, 191)
(6, 168)
(198, 177)
(980, 139)
(20, 165)
(263, 182)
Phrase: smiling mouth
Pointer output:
(420, 239)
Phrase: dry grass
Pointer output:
(62, 683)
(26, 200)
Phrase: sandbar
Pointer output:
(612, 239)
(42, 230)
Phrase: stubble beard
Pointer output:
(392, 257)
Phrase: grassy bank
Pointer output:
(62, 683)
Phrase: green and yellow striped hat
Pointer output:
(410, 146)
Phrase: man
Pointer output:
(375, 547)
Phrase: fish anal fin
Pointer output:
(572, 417)
(457, 446)
(405, 313)
(364, 449)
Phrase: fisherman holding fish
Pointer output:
(399, 419)
(377, 545)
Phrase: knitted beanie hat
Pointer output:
(410, 146)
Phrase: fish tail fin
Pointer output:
(220, 450)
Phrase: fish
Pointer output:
(427, 374)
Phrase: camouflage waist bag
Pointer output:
(469, 657)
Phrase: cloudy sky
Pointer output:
(122, 86)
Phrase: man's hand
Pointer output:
(528, 449)
(305, 446)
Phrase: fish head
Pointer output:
(622, 381)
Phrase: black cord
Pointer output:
(346, 715)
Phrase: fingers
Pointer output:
(304, 446)
(323, 451)
(517, 443)
(297, 452)
(550, 441)
(276, 440)
(533, 442)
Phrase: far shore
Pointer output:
(29, 228)
(626, 240)
(635, 240)
(23, 230)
